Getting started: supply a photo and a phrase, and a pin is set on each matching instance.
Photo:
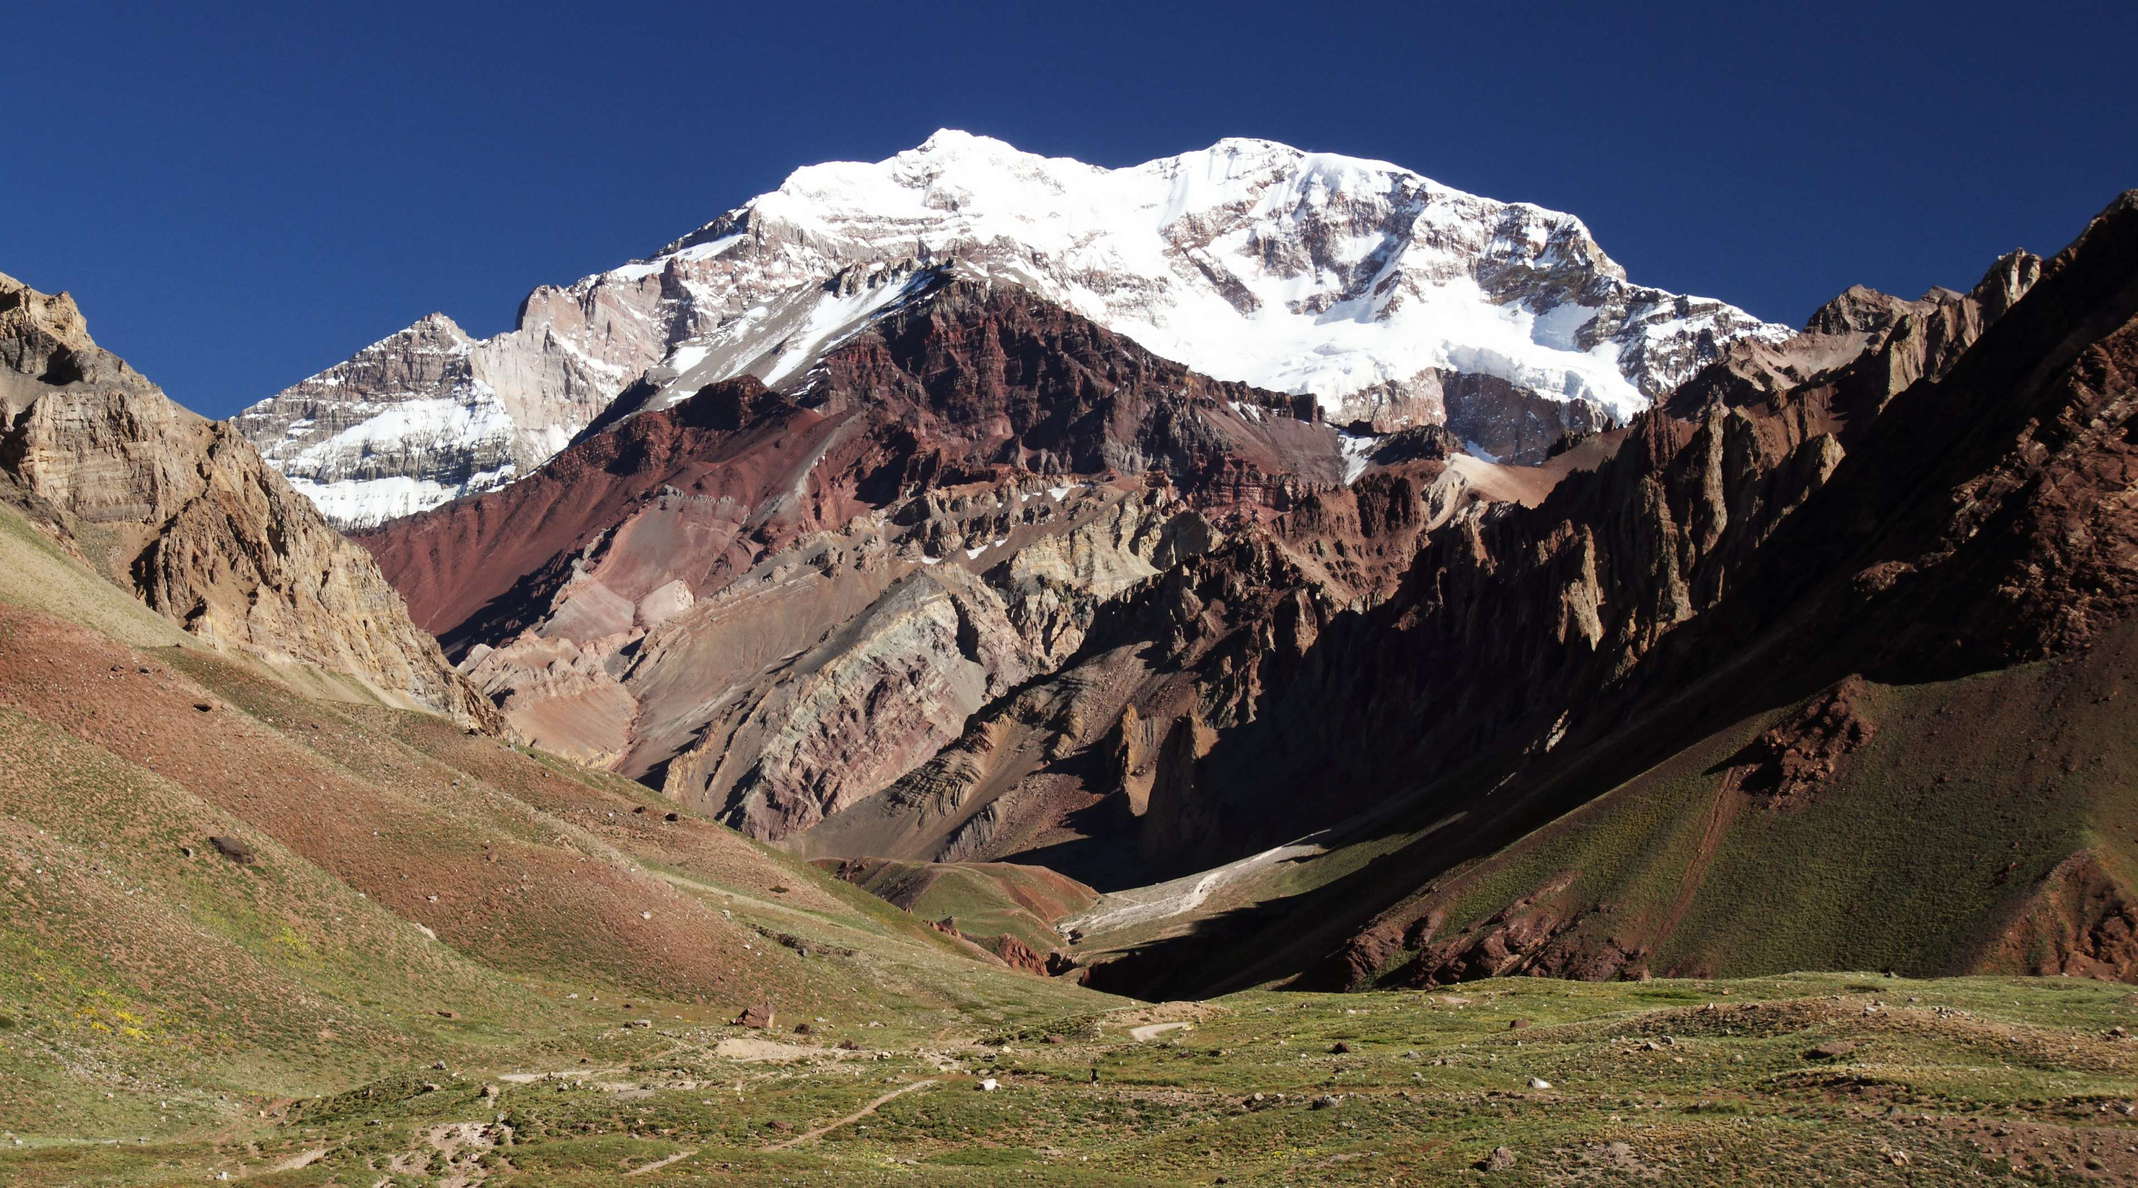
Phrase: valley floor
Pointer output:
(1836, 1078)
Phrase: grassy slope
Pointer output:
(1937, 833)
(1979, 1080)
(170, 1017)
(986, 899)
(416, 892)
(1937, 848)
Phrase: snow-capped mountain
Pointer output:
(1388, 297)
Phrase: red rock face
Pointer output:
(973, 386)
(776, 604)
(2083, 922)
(1018, 955)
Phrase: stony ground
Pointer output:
(1833, 1078)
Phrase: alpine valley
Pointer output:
(1251, 667)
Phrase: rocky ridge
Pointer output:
(182, 511)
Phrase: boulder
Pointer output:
(233, 849)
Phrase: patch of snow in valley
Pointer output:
(1357, 452)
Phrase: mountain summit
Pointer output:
(1384, 295)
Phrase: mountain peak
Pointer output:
(944, 141)
(1378, 293)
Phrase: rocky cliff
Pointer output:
(184, 512)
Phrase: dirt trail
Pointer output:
(1151, 1031)
(852, 1118)
(301, 1159)
(1716, 826)
(658, 1164)
(529, 1078)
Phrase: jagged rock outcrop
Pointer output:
(183, 511)
(1796, 757)
(1362, 286)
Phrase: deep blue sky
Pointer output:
(241, 194)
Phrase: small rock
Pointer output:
(776, 1124)
(804, 1029)
(1501, 1159)
(233, 849)
(1517, 1024)
(1339, 1048)
(990, 1085)
(671, 816)
(1832, 1050)
(1539, 1083)
(1324, 1102)
(758, 1015)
